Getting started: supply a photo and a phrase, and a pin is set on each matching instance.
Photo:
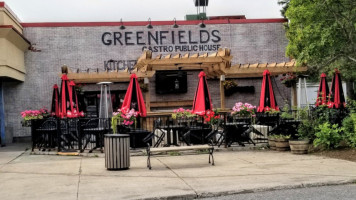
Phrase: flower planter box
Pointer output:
(299, 146)
(26, 123)
(282, 144)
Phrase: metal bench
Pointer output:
(180, 148)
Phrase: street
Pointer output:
(315, 193)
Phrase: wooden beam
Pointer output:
(257, 72)
(106, 76)
(186, 55)
(156, 104)
(194, 55)
(191, 60)
(176, 56)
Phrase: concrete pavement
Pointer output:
(26, 176)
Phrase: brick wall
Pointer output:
(82, 48)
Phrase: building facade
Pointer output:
(99, 46)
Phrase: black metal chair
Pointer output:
(92, 132)
(156, 127)
(44, 134)
(68, 135)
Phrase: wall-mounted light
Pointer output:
(33, 48)
(176, 84)
(122, 27)
(222, 77)
(202, 25)
(175, 25)
(149, 25)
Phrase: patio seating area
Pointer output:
(87, 134)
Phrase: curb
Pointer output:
(256, 190)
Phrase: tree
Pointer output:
(285, 4)
(322, 35)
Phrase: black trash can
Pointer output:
(117, 151)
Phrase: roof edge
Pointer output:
(153, 23)
(16, 31)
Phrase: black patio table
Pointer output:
(286, 127)
(236, 132)
(197, 134)
(137, 137)
(177, 130)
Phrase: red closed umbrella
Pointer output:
(73, 96)
(202, 100)
(337, 98)
(133, 98)
(65, 99)
(55, 107)
(67, 109)
(323, 91)
(267, 98)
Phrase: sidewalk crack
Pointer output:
(80, 173)
(196, 193)
(14, 158)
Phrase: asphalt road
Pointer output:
(343, 192)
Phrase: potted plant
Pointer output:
(306, 133)
(299, 146)
(229, 87)
(289, 79)
(282, 142)
(271, 142)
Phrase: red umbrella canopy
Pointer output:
(337, 98)
(202, 100)
(133, 98)
(55, 102)
(267, 98)
(323, 91)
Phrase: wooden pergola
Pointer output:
(213, 64)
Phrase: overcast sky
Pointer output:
(134, 10)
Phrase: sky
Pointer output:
(134, 10)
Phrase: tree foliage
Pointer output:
(322, 34)
(285, 4)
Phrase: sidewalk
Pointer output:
(25, 176)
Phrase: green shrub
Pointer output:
(306, 130)
(349, 125)
(328, 136)
(285, 112)
(286, 137)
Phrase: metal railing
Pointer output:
(88, 133)
(69, 134)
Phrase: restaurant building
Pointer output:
(32, 54)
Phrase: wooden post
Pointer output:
(148, 99)
(294, 94)
(222, 95)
